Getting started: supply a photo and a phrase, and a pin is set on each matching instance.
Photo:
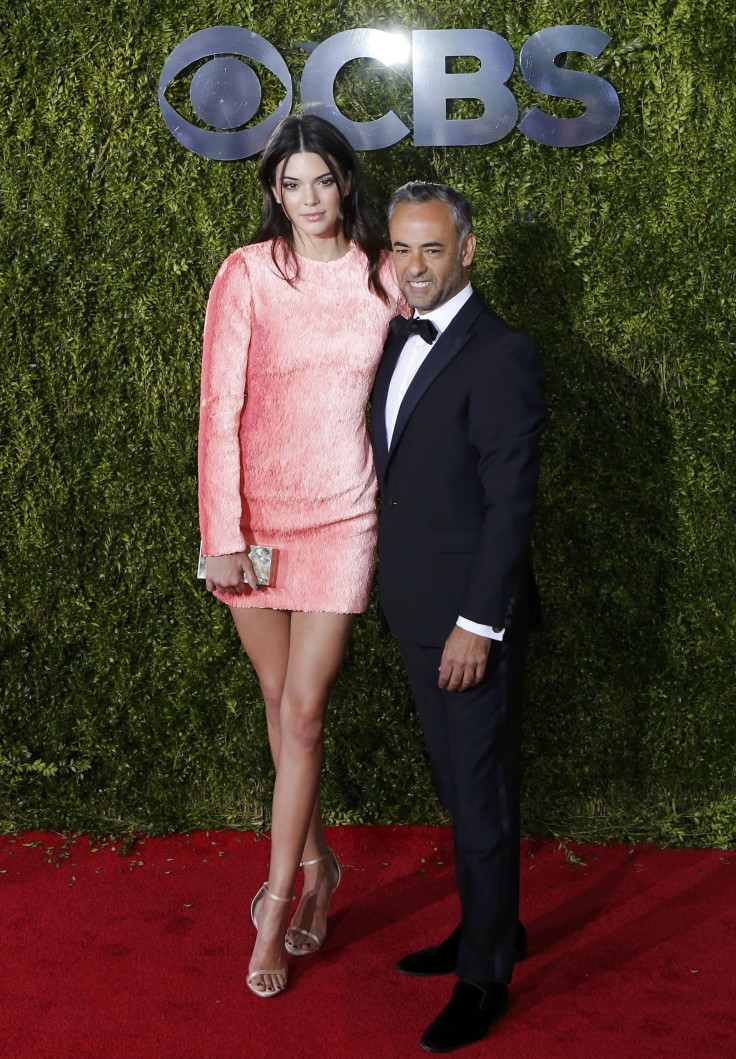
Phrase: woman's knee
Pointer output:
(273, 714)
(272, 691)
(303, 724)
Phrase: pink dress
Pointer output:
(284, 454)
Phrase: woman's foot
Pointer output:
(268, 970)
(308, 928)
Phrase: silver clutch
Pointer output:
(260, 555)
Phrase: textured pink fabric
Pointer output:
(284, 455)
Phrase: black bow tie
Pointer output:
(403, 328)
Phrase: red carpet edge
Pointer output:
(108, 954)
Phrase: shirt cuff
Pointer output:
(480, 630)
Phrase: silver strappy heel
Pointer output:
(317, 941)
(262, 893)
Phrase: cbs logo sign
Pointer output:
(225, 92)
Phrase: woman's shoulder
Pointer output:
(386, 266)
(247, 260)
(387, 272)
(251, 254)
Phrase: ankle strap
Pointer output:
(275, 897)
(309, 863)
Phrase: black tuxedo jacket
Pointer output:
(458, 483)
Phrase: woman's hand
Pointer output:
(225, 573)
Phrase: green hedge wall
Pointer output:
(125, 701)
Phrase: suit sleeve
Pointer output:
(506, 413)
(227, 332)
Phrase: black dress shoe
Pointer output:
(442, 958)
(467, 1018)
(435, 959)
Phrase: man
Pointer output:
(456, 421)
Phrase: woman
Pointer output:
(294, 330)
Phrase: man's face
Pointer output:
(430, 265)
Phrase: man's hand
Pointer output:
(464, 660)
(225, 573)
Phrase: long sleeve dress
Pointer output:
(284, 454)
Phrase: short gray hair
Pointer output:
(420, 191)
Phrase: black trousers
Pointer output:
(473, 738)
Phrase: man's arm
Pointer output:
(505, 417)
(505, 421)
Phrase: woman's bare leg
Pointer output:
(265, 635)
(320, 880)
(316, 646)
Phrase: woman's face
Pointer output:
(310, 196)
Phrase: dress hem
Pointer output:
(291, 610)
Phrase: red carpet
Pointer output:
(145, 955)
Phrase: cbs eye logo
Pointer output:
(224, 92)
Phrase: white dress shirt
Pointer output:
(410, 360)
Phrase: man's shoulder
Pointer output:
(486, 320)
(500, 357)
(491, 332)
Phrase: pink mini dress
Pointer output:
(284, 454)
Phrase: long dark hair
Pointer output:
(310, 133)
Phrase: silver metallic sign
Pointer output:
(318, 84)
(434, 87)
(537, 61)
(225, 92)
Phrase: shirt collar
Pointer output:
(444, 314)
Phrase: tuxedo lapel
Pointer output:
(443, 352)
(386, 368)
